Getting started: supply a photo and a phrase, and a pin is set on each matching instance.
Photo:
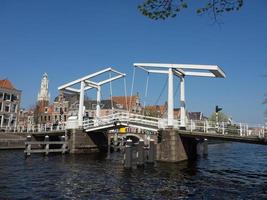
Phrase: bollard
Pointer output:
(46, 145)
(151, 152)
(140, 153)
(205, 147)
(199, 147)
(128, 154)
(28, 145)
(64, 145)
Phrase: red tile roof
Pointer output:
(6, 84)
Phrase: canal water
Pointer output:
(230, 171)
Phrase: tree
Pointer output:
(162, 9)
(221, 117)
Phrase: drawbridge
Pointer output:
(126, 119)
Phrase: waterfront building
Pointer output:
(26, 119)
(9, 104)
(131, 103)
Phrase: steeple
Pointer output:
(43, 94)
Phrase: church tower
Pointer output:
(43, 94)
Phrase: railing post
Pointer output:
(207, 126)
(46, 145)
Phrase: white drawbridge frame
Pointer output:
(180, 70)
(86, 84)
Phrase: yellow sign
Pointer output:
(122, 130)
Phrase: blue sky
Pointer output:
(69, 39)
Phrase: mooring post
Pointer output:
(64, 146)
(108, 157)
(28, 145)
(128, 154)
(151, 152)
(205, 147)
(140, 153)
(46, 145)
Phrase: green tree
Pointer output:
(162, 9)
(221, 117)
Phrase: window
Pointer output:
(7, 96)
(1, 95)
(49, 118)
(14, 108)
(46, 109)
(55, 117)
(13, 97)
(1, 106)
(65, 118)
(7, 108)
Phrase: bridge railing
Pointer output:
(240, 129)
(121, 117)
(34, 128)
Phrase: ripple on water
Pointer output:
(231, 171)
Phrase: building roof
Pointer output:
(5, 83)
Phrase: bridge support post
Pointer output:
(140, 151)
(81, 102)
(128, 154)
(98, 100)
(170, 98)
(182, 103)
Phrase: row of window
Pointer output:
(5, 121)
(8, 97)
(8, 107)
(56, 118)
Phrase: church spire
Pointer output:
(43, 94)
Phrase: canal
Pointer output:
(230, 171)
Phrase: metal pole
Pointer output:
(81, 103)
(98, 99)
(170, 98)
(182, 103)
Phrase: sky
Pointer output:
(69, 39)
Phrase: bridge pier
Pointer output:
(81, 142)
(171, 147)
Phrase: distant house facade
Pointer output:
(9, 104)
(131, 103)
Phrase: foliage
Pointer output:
(162, 9)
(221, 117)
